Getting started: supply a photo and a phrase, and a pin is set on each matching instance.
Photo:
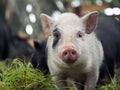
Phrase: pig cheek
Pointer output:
(80, 47)
(56, 51)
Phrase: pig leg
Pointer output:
(60, 82)
(91, 81)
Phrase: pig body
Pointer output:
(5, 32)
(108, 32)
(5, 38)
(20, 48)
(39, 59)
(85, 69)
(73, 50)
(110, 39)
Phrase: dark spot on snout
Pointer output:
(57, 36)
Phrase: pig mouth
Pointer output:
(70, 60)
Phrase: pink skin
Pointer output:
(69, 54)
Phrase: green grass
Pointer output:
(21, 76)
(111, 86)
(18, 75)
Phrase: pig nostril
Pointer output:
(65, 53)
(73, 53)
(69, 53)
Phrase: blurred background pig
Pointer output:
(39, 58)
(108, 32)
(5, 32)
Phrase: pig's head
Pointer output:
(67, 35)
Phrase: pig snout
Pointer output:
(69, 55)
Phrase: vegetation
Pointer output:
(111, 86)
(19, 75)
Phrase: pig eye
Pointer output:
(56, 34)
(79, 35)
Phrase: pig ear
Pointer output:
(90, 21)
(47, 23)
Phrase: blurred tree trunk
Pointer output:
(48, 6)
(20, 17)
